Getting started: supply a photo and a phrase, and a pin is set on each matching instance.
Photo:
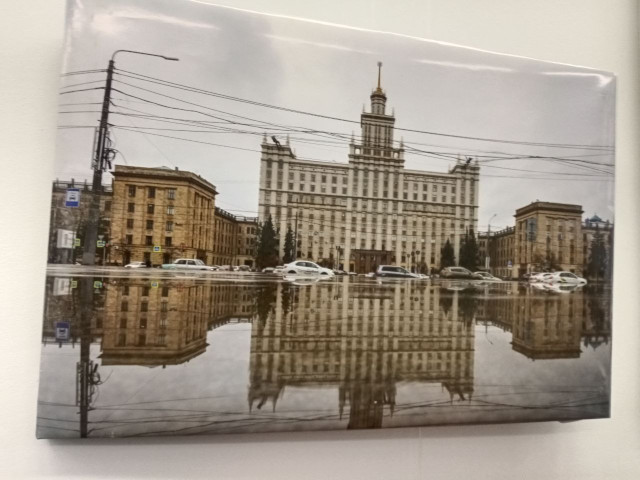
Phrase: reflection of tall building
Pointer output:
(372, 209)
(544, 324)
(151, 323)
(363, 339)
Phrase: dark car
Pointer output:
(459, 273)
(391, 271)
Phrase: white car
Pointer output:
(487, 277)
(304, 267)
(187, 264)
(279, 270)
(565, 277)
(136, 265)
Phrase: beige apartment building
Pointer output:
(160, 214)
(235, 239)
(546, 236)
(370, 210)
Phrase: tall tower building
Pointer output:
(370, 210)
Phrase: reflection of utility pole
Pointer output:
(101, 162)
(84, 367)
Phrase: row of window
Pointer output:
(149, 224)
(150, 191)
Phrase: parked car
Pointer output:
(279, 270)
(304, 267)
(392, 271)
(487, 277)
(459, 273)
(565, 277)
(268, 270)
(136, 265)
(187, 264)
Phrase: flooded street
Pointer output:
(135, 353)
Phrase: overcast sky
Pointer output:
(449, 92)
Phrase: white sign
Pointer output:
(65, 239)
(61, 286)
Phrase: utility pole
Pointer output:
(100, 163)
(295, 243)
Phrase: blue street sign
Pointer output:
(63, 331)
(72, 198)
(157, 248)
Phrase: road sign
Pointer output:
(63, 331)
(100, 243)
(74, 284)
(72, 198)
(509, 264)
(97, 284)
(157, 248)
(154, 284)
(76, 242)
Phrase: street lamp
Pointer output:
(100, 161)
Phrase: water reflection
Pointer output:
(359, 338)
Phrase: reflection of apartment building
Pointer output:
(166, 323)
(160, 214)
(547, 236)
(363, 340)
(234, 239)
(547, 325)
(370, 209)
(69, 221)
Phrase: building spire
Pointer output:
(379, 89)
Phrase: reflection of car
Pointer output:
(187, 264)
(423, 276)
(565, 277)
(561, 287)
(391, 271)
(136, 265)
(540, 277)
(459, 272)
(304, 267)
(487, 277)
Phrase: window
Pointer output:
(167, 241)
(148, 240)
(169, 226)
(171, 210)
(132, 190)
(151, 192)
(149, 224)
(129, 239)
(129, 222)
(131, 207)
(171, 194)
(107, 205)
(151, 208)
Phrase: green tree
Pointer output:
(469, 251)
(447, 256)
(598, 257)
(288, 246)
(267, 252)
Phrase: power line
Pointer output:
(252, 102)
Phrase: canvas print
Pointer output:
(266, 224)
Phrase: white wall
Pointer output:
(596, 33)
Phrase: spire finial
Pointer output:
(379, 74)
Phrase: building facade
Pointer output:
(370, 209)
(160, 214)
(66, 226)
(547, 236)
(234, 239)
